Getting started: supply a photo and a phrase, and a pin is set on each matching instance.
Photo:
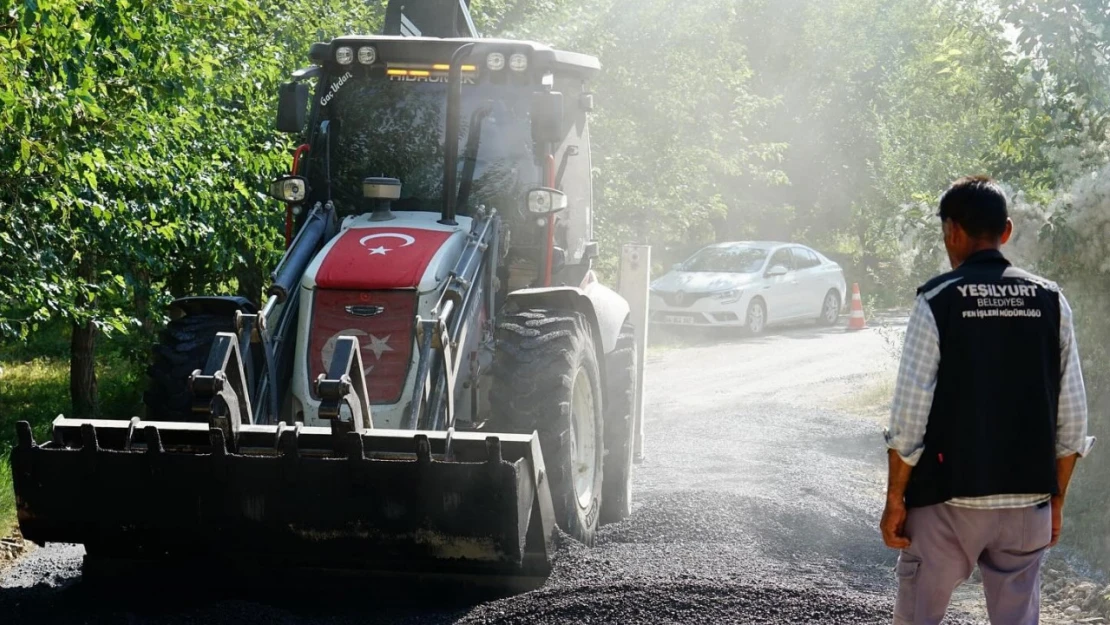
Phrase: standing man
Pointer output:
(988, 419)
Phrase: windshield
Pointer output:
(382, 127)
(734, 259)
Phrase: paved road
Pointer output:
(757, 503)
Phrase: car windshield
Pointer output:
(732, 259)
(395, 128)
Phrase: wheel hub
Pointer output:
(830, 307)
(583, 439)
(755, 318)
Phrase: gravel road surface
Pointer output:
(757, 503)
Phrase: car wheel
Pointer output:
(757, 317)
(830, 308)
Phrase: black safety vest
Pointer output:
(992, 426)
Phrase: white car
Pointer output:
(751, 284)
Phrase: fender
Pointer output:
(211, 304)
(602, 306)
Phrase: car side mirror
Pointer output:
(545, 201)
(777, 270)
(289, 189)
(547, 117)
(292, 107)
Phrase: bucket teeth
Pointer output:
(493, 450)
(219, 446)
(287, 442)
(153, 440)
(25, 435)
(355, 450)
(88, 438)
(423, 449)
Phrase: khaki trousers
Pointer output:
(946, 544)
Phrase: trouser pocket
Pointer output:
(1036, 528)
(905, 603)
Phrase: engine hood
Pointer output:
(702, 282)
(412, 251)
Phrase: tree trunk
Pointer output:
(82, 353)
(82, 371)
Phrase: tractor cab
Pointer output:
(384, 106)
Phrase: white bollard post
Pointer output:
(635, 277)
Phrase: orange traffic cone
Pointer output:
(856, 321)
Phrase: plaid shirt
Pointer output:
(917, 380)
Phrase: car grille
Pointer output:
(680, 299)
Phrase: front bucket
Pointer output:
(381, 501)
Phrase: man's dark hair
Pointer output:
(978, 205)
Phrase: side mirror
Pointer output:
(289, 189)
(545, 201)
(292, 107)
(777, 270)
(547, 117)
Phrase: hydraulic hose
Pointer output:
(299, 255)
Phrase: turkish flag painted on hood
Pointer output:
(379, 258)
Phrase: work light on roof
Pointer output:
(344, 55)
(518, 62)
(367, 55)
(495, 61)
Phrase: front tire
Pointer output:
(182, 348)
(756, 321)
(546, 379)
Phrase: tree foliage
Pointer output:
(138, 135)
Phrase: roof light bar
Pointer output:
(424, 70)
(445, 67)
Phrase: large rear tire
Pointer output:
(182, 348)
(620, 427)
(546, 379)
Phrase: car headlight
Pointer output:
(728, 297)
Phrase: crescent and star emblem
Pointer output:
(381, 249)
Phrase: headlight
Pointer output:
(728, 297)
(495, 61)
(289, 189)
(544, 201)
(344, 55)
(518, 62)
(367, 55)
